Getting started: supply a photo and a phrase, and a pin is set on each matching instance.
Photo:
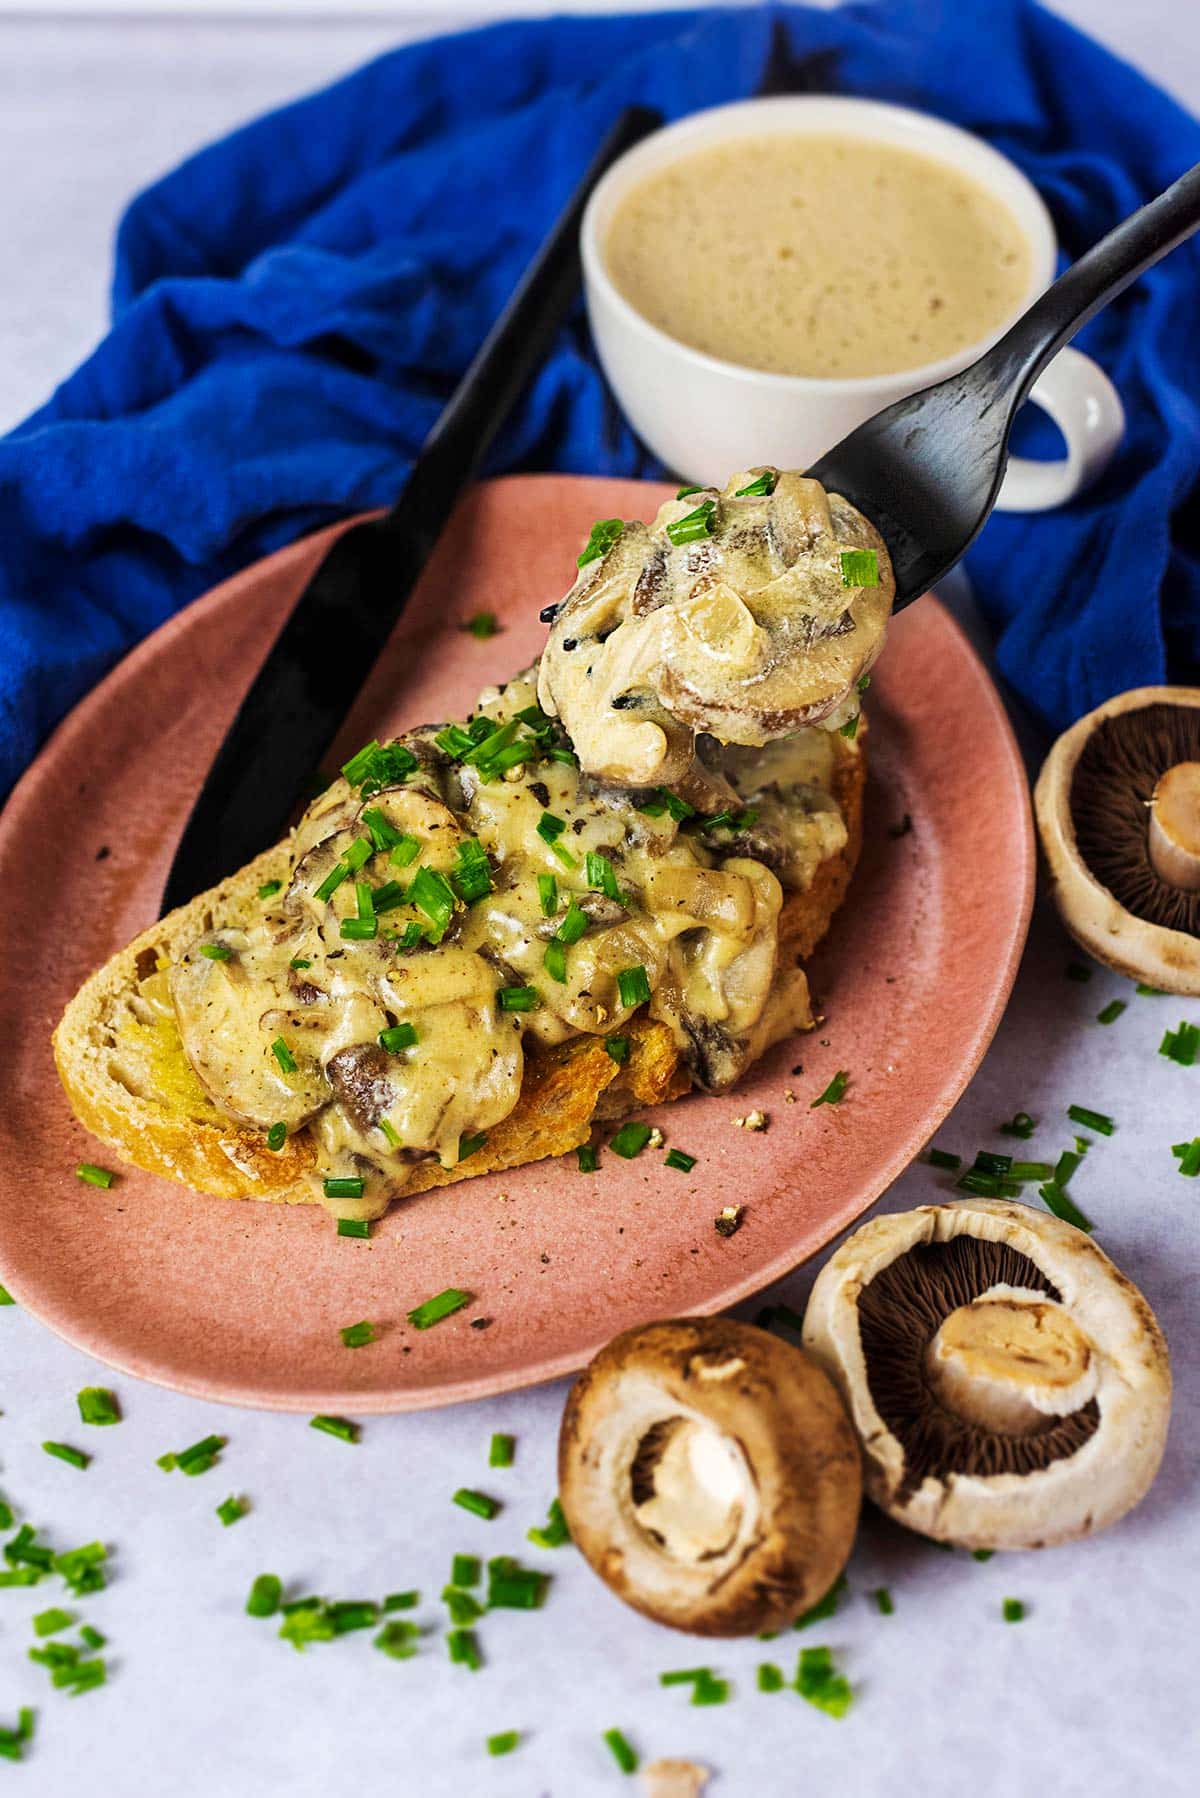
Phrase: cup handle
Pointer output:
(1085, 406)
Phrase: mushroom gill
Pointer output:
(902, 1313)
(1115, 781)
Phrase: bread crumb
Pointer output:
(789, 1097)
(756, 1120)
(729, 1221)
(655, 1139)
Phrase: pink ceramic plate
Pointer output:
(244, 1301)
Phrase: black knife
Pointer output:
(347, 612)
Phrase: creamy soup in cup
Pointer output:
(763, 277)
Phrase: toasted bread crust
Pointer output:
(122, 1064)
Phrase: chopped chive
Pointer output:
(1035, 1170)
(555, 1532)
(465, 1569)
(276, 1137)
(98, 1405)
(574, 924)
(401, 1601)
(622, 1753)
(1078, 971)
(62, 1451)
(265, 1595)
(686, 492)
(769, 1678)
(94, 1176)
(1189, 1157)
(554, 960)
(834, 1091)
(708, 1689)
(760, 486)
(432, 894)
(678, 807)
(443, 1304)
(455, 742)
(463, 1648)
(884, 1603)
(397, 1037)
(1056, 1200)
(199, 1457)
(80, 1567)
(860, 568)
(633, 985)
(269, 888)
(817, 1682)
(1149, 992)
(405, 852)
(502, 1451)
(482, 624)
(6, 1298)
(1067, 1162)
(602, 876)
(231, 1509)
(397, 1640)
(550, 828)
(512, 1587)
(473, 874)
(517, 998)
(463, 1608)
(604, 533)
(471, 1145)
(478, 1503)
(298, 961)
(216, 951)
(862, 683)
(359, 1335)
(388, 897)
(284, 1056)
(332, 881)
(91, 1638)
(1013, 1610)
(48, 1623)
(358, 930)
(618, 1048)
(354, 1226)
(336, 1426)
(380, 765)
(353, 1613)
(943, 1158)
(850, 728)
(677, 1159)
(1091, 1120)
(630, 1140)
(348, 1186)
(696, 524)
(683, 1676)
(548, 894)
(505, 1742)
(651, 808)
(825, 1606)
(997, 1165)
(982, 1554)
(1111, 1012)
(1181, 1045)
(1022, 1126)
(589, 1160)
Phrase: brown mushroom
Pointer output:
(1118, 811)
(1009, 1385)
(710, 1475)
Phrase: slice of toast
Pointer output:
(122, 1063)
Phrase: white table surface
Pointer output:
(1093, 1694)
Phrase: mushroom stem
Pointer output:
(1174, 836)
(1009, 1361)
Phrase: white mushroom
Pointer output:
(710, 1476)
(1118, 812)
(1010, 1387)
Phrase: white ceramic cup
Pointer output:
(704, 417)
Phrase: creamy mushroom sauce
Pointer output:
(698, 912)
(737, 613)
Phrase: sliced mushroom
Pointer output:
(1118, 811)
(1009, 1386)
(709, 1475)
(745, 629)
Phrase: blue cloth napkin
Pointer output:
(292, 306)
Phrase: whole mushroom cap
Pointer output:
(1009, 1386)
(710, 1475)
(1118, 813)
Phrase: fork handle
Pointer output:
(1097, 277)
